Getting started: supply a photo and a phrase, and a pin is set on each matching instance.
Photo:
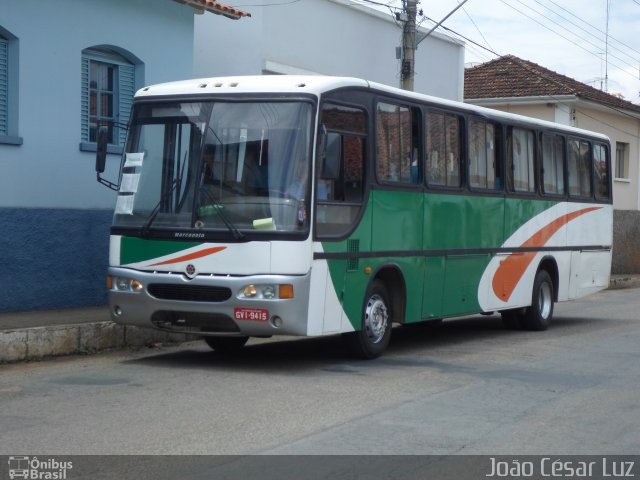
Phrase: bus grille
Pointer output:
(189, 293)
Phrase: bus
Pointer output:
(310, 205)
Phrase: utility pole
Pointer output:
(410, 41)
(409, 44)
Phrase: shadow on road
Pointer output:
(415, 341)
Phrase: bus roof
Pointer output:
(319, 84)
(310, 84)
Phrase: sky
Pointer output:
(566, 36)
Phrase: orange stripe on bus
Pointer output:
(513, 267)
(191, 256)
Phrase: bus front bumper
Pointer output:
(216, 305)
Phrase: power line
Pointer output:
(607, 35)
(567, 39)
(594, 27)
(538, 74)
(476, 26)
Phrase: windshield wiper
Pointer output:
(237, 234)
(174, 185)
(144, 231)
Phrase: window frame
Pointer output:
(417, 121)
(553, 136)
(589, 154)
(498, 171)
(9, 68)
(124, 84)
(531, 166)
(607, 160)
(625, 161)
(446, 117)
(344, 133)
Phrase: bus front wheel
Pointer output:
(373, 337)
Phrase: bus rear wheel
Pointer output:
(538, 316)
(373, 337)
(226, 344)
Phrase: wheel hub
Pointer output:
(545, 301)
(376, 318)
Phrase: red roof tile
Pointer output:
(512, 77)
(216, 7)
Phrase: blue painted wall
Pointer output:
(53, 258)
(54, 216)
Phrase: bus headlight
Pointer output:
(250, 291)
(124, 284)
(267, 291)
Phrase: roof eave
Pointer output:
(530, 100)
(553, 99)
(606, 107)
(213, 6)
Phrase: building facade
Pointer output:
(65, 66)
(328, 37)
(71, 65)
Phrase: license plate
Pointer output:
(255, 314)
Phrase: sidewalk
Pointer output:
(47, 333)
(38, 334)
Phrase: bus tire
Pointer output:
(373, 337)
(226, 344)
(538, 316)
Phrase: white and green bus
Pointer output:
(308, 206)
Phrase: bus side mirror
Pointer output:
(101, 151)
(102, 141)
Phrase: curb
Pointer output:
(624, 281)
(56, 340)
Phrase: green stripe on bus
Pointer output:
(134, 250)
(436, 287)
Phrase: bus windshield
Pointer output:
(221, 168)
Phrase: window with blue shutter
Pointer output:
(108, 85)
(4, 86)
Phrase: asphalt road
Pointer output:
(468, 386)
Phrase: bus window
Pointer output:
(397, 144)
(601, 169)
(483, 156)
(579, 168)
(443, 149)
(521, 160)
(553, 164)
(340, 178)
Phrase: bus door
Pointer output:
(339, 194)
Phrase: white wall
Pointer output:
(48, 169)
(326, 37)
